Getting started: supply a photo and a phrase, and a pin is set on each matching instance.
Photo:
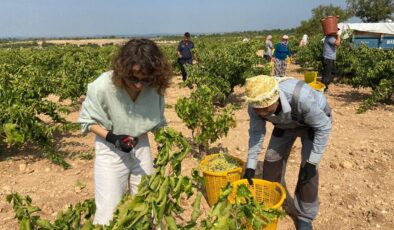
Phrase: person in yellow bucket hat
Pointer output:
(295, 110)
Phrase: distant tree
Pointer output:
(371, 10)
(312, 26)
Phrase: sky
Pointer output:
(70, 18)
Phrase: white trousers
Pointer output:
(112, 168)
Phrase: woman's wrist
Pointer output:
(98, 130)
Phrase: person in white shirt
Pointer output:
(304, 40)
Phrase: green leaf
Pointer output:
(13, 135)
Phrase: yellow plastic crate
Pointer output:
(214, 181)
(310, 76)
(272, 194)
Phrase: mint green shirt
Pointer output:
(112, 108)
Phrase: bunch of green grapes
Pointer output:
(221, 162)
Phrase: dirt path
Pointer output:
(356, 184)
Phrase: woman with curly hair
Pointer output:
(121, 106)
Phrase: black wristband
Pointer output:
(111, 137)
(249, 172)
(249, 175)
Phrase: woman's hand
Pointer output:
(122, 142)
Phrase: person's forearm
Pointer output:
(256, 140)
(98, 130)
(256, 137)
(320, 142)
(338, 40)
(321, 125)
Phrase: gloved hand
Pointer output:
(249, 174)
(308, 171)
(124, 143)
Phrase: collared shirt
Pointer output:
(329, 48)
(310, 107)
(185, 49)
(112, 108)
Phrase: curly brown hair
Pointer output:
(147, 54)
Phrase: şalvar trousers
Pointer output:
(280, 67)
(115, 171)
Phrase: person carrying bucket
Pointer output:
(282, 51)
(295, 110)
(330, 44)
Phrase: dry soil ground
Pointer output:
(356, 183)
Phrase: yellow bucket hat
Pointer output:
(262, 91)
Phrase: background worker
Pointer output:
(184, 53)
(304, 40)
(268, 48)
(282, 51)
(330, 44)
